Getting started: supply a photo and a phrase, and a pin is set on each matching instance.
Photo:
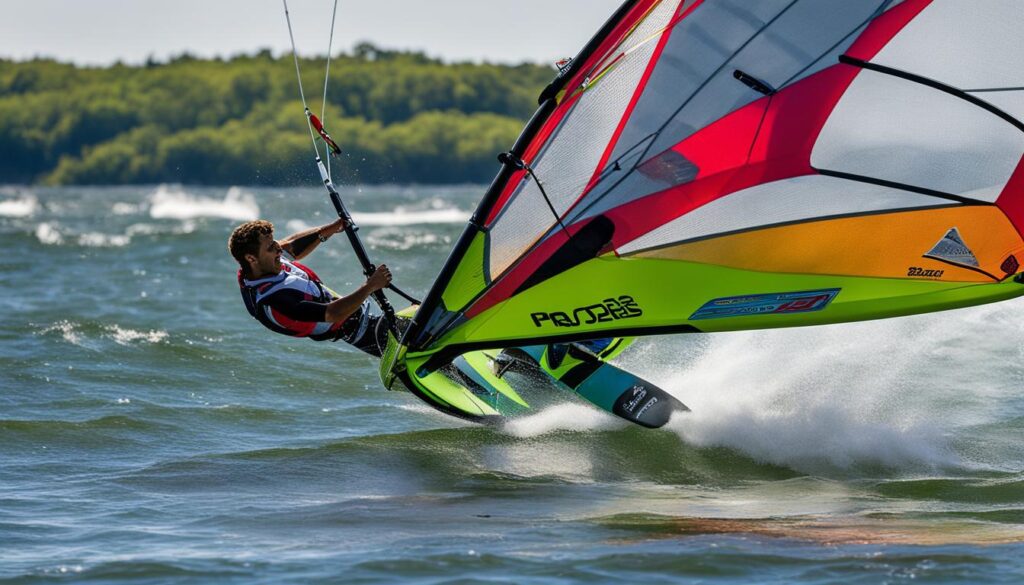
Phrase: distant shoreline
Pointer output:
(400, 117)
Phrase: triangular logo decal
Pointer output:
(951, 248)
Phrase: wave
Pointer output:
(393, 239)
(100, 240)
(401, 216)
(175, 203)
(1004, 489)
(51, 234)
(24, 206)
(115, 431)
(124, 336)
(124, 208)
(78, 333)
(101, 569)
(152, 229)
(68, 331)
(490, 459)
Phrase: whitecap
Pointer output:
(98, 240)
(404, 216)
(47, 233)
(125, 336)
(143, 229)
(404, 241)
(122, 208)
(20, 207)
(68, 331)
(175, 203)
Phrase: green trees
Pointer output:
(399, 117)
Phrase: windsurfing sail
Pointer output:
(713, 165)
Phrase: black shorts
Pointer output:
(374, 338)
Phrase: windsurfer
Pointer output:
(289, 298)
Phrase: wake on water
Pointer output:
(892, 393)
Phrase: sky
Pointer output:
(99, 32)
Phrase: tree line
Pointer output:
(399, 117)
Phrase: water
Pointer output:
(151, 432)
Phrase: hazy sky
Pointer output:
(102, 31)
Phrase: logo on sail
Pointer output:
(624, 307)
(774, 303)
(951, 248)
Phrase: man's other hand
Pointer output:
(332, 228)
(380, 278)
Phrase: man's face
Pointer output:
(269, 259)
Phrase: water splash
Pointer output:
(562, 417)
(884, 393)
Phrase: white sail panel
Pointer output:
(889, 128)
(966, 44)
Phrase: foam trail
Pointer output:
(884, 393)
(175, 203)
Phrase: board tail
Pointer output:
(582, 368)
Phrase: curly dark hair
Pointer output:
(246, 240)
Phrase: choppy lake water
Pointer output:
(152, 432)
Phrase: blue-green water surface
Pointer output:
(152, 432)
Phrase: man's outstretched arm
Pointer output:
(303, 243)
